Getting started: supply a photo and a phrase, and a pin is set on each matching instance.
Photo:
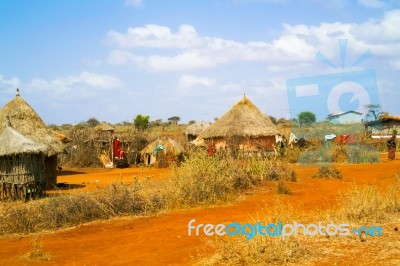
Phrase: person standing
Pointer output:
(391, 144)
(116, 145)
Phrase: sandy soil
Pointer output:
(163, 239)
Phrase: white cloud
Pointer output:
(134, 3)
(380, 31)
(155, 36)
(186, 50)
(9, 83)
(372, 3)
(85, 81)
(190, 81)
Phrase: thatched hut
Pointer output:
(104, 127)
(21, 165)
(195, 129)
(28, 123)
(244, 127)
(162, 152)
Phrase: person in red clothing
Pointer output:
(211, 149)
(116, 145)
(121, 153)
(391, 144)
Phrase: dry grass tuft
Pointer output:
(37, 253)
(328, 172)
(282, 188)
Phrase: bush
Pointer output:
(323, 155)
(202, 179)
(328, 172)
(362, 154)
(282, 188)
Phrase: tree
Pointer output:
(174, 119)
(141, 122)
(92, 122)
(191, 122)
(373, 110)
(156, 123)
(126, 123)
(306, 118)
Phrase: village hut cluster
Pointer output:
(29, 149)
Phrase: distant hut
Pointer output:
(21, 165)
(162, 152)
(383, 127)
(194, 130)
(28, 123)
(104, 127)
(243, 127)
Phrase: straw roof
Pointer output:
(12, 143)
(170, 147)
(383, 119)
(244, 119)
(64, 139)
(27, 122)
(104, 127)
(196, 128)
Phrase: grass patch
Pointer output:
(362, 154)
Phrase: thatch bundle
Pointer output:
(21, 165)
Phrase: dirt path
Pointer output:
(163, 240)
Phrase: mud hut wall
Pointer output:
(384, 128)
(50, 164)
(149, 159)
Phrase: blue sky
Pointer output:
(114, 59)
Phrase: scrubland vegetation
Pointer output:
(200, 180)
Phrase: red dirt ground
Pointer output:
(163, 239)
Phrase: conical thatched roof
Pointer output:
(12, 143)
(27, 122)
(170, 147)
(196, 128)
(244, 119)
